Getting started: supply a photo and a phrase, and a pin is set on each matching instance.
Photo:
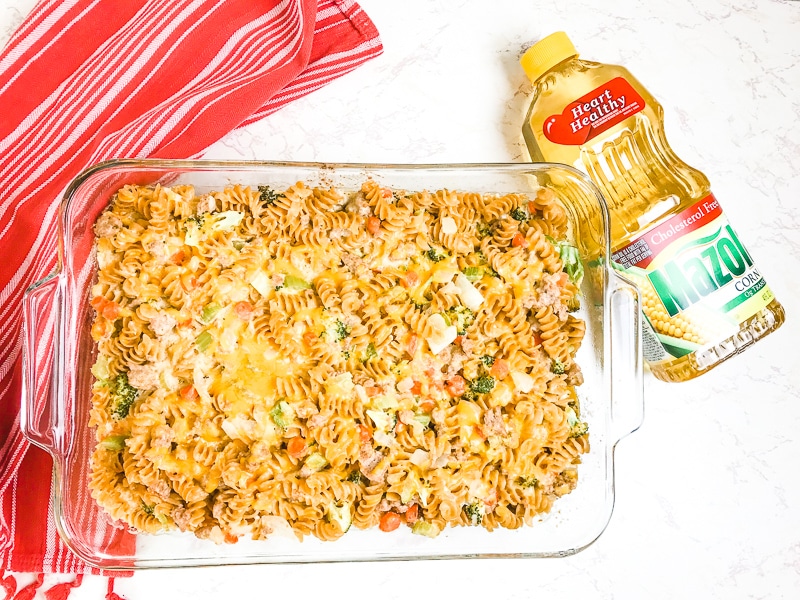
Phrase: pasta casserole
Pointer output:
(309, 359)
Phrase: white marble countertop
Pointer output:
(708, 490)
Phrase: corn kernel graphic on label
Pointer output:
(698, 281)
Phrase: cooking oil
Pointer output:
(704, 299)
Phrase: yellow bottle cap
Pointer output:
(546, 54)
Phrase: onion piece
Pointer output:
(449, 226)
(470, 295)
(522, 381)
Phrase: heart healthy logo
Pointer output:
(594, 113)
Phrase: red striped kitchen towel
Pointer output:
(82, 81)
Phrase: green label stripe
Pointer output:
(745, 295)
(700, 242)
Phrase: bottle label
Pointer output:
(592, 114)
(698, 282)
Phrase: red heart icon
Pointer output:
(562, 129)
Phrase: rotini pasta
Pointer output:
(308, 359)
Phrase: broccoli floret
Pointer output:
(487, 360)
(558, 367)
(342, 330)
(434, 254)
(519, 214)
(527, 482)
(267, 195)
(475, 512)
(346, 354)
(282, 414)
(370, 353)
(148, 509)
(123, 395)
(577, 428)
(484, 229)
(400, 195)
(482, 385)
(469, 396)
(580, 428)
(461, 317)
(355, 477)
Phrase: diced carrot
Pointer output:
(189, 282)
(491, 500)
(178, 257)
(480, 432)
(427, 405)
(189, 392)
(373, 225)
(309, 337)
(99, 329)
(111, 311)
(231, 539)
(386, 192)
(98, 302)
(519, 240)
(243, 310)
(456, 386)
(537, 339)
(413, 342)
(372, 390)
(390, 521)
(364, 434)
(499, 369)
(531, 208)
(410, 280)
(459, 340)
(416, 389)
(296, 447)
(412, 514)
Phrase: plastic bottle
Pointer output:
(704, 299)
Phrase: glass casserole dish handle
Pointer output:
(625, 350)
(40, 417)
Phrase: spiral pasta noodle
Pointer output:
(308, 359)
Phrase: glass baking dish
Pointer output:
(59, 351)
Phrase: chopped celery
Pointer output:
(425, 420)
(571, 259)
(209, 311)
(100, 368)
(203, 341)
(291, 282)
(425, 528)
(315, 462)
(342, 515)
(282, 414)
(114, 442)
